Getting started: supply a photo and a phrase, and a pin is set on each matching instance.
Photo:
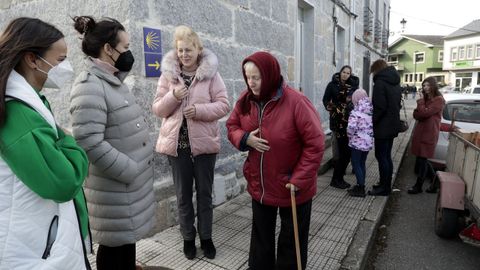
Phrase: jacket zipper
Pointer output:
(89, 236)
(260, 117)
(52, 235)
(188, 120)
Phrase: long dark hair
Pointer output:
(97, 34)
(433, 86)
(21, 36)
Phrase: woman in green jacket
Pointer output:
(43, 215)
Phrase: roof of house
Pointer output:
(470, 29)
(428, 40)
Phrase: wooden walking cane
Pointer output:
(295, 227)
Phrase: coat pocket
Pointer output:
(52, 235)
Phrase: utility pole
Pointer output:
(415, 69)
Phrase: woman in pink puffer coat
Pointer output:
(191, 98)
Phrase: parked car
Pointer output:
(473, 90)
(447, 89)
(467, 117)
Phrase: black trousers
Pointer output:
(262, 243)
(422, 164)
(186, 171)
(116, 258)
(344, 154)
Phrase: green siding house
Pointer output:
(417, 57)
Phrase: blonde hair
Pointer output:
(185, 33)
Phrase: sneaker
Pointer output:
(208, 248)
(357, 191)
(189, 249)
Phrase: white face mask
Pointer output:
(58, 75)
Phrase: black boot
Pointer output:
(417, 188)
(382, 189)
(341, 184)
(208, 248)
(357, 191)
(189, 249)
(433, 185)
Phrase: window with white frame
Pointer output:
(419, 57)
(440, 56)
(477, 51)
(469, 51)
(393, 58)
(461, 52)
(453, 54)
(411, 77)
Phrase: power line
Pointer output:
(437, 23)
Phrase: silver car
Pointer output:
(467, 117)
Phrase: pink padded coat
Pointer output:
(207, 93)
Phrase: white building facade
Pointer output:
(462, 56)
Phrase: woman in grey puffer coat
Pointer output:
(109, 125)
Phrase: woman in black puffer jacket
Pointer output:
(386, 99)
(337, 101)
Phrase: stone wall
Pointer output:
(233, 29)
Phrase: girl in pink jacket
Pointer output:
(191, 98)
(360, 138)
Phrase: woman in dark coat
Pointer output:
(337, 101)
(386, 99)
(425, 135)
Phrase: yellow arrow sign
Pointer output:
(156, 65)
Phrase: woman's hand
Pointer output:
(259, 144)
(189, 112)
(180, 92)
(291, 186)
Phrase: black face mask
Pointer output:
(124, 61)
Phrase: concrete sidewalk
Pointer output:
(341, 231)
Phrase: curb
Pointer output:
(366, 233)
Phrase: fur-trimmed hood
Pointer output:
(206, 70)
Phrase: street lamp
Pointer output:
(403, 22)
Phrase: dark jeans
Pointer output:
(116, 258)
(343, 159)
(383, 154)
(358, 164)
(262, 243)
(187, 169)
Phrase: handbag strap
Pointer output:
(404, 109)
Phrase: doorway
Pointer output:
(304, 49)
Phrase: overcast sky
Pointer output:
(431, 17)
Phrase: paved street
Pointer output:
(340, 231)
(408, 240)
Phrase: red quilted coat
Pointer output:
(425, 135)
(292, 127)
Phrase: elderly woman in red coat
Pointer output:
(282, 132)
(425, 136)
